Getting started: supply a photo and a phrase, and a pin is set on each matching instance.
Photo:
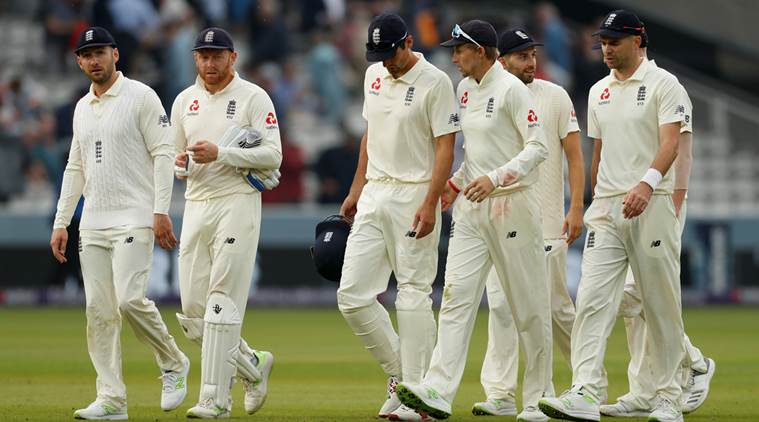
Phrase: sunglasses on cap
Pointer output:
(457, 32)
(384, 45)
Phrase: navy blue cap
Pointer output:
(620, 24)
(386, 32)
(473, 32)
(328, 251)
(214, 38)
(94, 36)
(515, 40)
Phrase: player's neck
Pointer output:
(480, 71)
(624, 74)
(214, 88)
(100, 89)
(410, 64)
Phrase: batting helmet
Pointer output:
(329, 247)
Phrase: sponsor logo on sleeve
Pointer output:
(194, 107)
(271, 120)
(464, 99)
(163, 121)
(532, 119)
(605, 95)
(375, 86)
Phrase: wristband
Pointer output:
(652, 178)
(453, 186)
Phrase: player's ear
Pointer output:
(115, 55)
(233, 57)
(409, 41)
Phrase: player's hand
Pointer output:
(508, 178)
(180, 162)
(164, 231)
(479, 189)
(449, 195)
(58, 244)
(636, 201)
(572, 225)
(204, 152)
(349, 207)
(424, 220)
(678, 197)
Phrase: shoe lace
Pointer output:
(692, 378)
(169, 380)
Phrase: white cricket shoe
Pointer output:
(576, 404)
(392, 402)
(695, 392)
(665, 411)
(174, 386)
(532, 414)
(405, 413)
(422, 398)
(495, 407)
(256, 391)
(102, 410)
(207, 409)
(623, 409)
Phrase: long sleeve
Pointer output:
(157, 133)
(71, 188)
(525, 119)
(269, 154)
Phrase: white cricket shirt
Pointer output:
(404, 117)
(626, 116)
(121, 159)
(501, 130)
(557, 120)
(198, 115)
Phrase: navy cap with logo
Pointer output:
(328, 251)
(213, 37)
(477, 32)
(386, 33)
(94, 36)
(620, 24)
(515, 40)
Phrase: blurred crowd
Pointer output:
(308, 54)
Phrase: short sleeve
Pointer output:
(670, 102)
(567, 117)
(687, 125)
(594, 129)
(441, 108)
(177, 127)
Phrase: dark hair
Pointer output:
(491, 53)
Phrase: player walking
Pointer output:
(121, 160)
(634, 115)
(559, 125)
(222, 218)
(405, 158)
(498, 225)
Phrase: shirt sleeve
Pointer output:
(71, 188)
(441, 108)
(156, 132)
(527, 122)
(364, 111)
(670, 102)
(687, 125)
(594, 129)
(567, 117)
(267, 156)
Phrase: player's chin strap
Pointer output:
(193, 330)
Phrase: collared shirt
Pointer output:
(626, 116)
(120, 159)
(198, 115)
(501, 130)
(404, 117)
(557, 120)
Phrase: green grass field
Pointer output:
(321, 373)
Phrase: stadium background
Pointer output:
(309, 56)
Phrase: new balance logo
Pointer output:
(548, 248)
(229, 240)
(216, 308)
(432, 393)
(453, 119)
(511, 235)
(129, 239)
(656, 243)
(163, 121)
(591, 240)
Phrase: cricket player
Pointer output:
(697, 370)
(222, 219)
(634, 115)
(558, 122)
(405, 158)
(497, 224)
(121, 160)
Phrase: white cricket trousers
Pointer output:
(502, 232)
(650, 245)
(115, 266)
(217, 250)
(641, 381)
(501, 365)
(377, 246)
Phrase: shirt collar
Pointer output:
(638, 75)
(413, 74)
(113, 91)
(235, 79)
(491, 75)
